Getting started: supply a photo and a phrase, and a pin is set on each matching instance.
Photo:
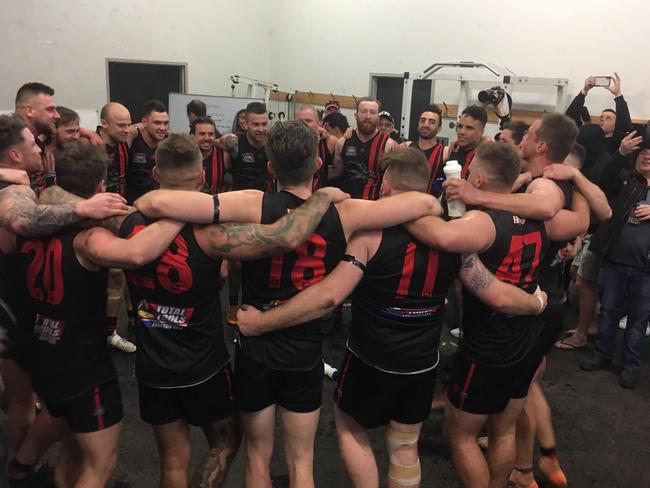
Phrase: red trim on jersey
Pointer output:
(466, 164)
(435, 160)
(432, 273)
(123, 154)
(370, 190)
(463, 394)
(407, 270)
(229, 383)
(345, 369)
(98, 408)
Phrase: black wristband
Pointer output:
(352, 260)
(217, 211)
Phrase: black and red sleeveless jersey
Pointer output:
(327, 157)
(248, 168)
(434, 157)
(464, 158)
(68, 349)
(362, 172)
(266, 282)
(215, 169)
(116, 175)
(492, 338)
(178, 324)
(399, 306)
(139, 179)
(41, 180)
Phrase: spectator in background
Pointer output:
(624, 245)
(67, 127)
(615, 123)
(513, 132)
(336, 124)
(332, 107)
(387, 126)
(196, 109)
(239, 123)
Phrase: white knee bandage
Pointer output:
(399, 472)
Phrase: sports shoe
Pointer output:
(550, 466)
(595, 363)
(232, 315)
(622, 323)
(629, 378)
(121, 344)
(457, 333)
(38, 475)
(522, 478)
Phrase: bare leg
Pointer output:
(587, 302)
(173, 441)
(224, 437)
(99, 456)
(356, 452)
(298, 434)
(461, 430)
(43, 432)
(114, 297)
(502, 449)
(258, 432)
(68, 463)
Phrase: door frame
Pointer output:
(182, 66)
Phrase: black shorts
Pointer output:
(92, 411)
(199, 405)
(258, 387)
(373, 397)
(486, 390)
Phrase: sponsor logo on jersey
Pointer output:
(351, 151)
(155, 316)
(48, 330)
(248, 157)
(140, 158)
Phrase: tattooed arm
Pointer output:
(20, 214)
(252, 241)
(499, 296)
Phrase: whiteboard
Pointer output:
(221, 109)
(88, 119)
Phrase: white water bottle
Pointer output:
(331, 372)
(453, 170)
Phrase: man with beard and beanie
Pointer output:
(358, 159)
(429, 125)
(35, 105)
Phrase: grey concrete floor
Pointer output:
(603, 430)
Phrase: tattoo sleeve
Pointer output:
(251, 241)
(478, 275)
(20, 214)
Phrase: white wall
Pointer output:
(333, 46)
(320, 46)
(65, 43)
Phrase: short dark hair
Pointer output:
(559, 133)
(256, 108)
(368, 99)
(202, 120)
(292, 147)
(579, 152)
(432, 107)
(406, 169)
(198, 108)
(518, 129)
(11, 127)
(502, 162)
(337, 120)
(477, 113)
(153, 106)
(178, 151)
(610, 110)
(68, 116)
(80, 167)
(30, 89)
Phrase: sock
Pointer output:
(111, 325)
(526, 470)
(550, 452)
(233, 300)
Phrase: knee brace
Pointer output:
(401, 473)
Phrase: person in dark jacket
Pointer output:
(624, 244)
(615, 123)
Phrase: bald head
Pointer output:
(115, 122)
